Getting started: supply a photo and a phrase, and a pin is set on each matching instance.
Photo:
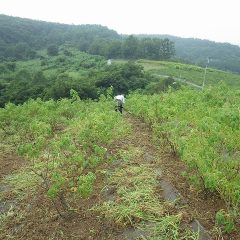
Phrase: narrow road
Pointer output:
(180, 80)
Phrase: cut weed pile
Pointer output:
(135, 196)
(137, 205)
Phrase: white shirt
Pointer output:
(120, 98)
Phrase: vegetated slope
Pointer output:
(90, 173)
(87, 176)
(223, 56)
(72, 147)
(49, 76)
(20, 38)
(190, 73)
(64, 143)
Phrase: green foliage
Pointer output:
(149, 48)
(74, 95)
(130, 47)
(224, 56)
(85, 184)
(161, 85)
(221, 55)
(52, 50)
(57, 182)
(22, 38)
(225, 220)
(54, 79)
(88, 75)
(123, 78)
(28, 36)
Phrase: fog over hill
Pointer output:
(20, 36)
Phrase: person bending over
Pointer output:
(120, 101)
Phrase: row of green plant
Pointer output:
(203, 128)
(63, 141)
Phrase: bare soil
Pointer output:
(36, 218)
(9, 162)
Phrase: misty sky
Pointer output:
(205, 19)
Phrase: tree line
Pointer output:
(23, 38)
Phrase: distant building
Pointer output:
(109, 62)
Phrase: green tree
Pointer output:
(167, 49)
(130, 47)
(122, 78)
(52, 50)
(114, 49)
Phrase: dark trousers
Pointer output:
(119, 108)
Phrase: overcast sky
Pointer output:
(217, 20)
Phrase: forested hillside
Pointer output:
(221, 55)
(47, 60)
(22, 38)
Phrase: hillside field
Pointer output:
(72, 168)
(190, 73)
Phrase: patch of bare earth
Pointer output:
(37, 219)
(9, 162)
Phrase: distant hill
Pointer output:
(22, 39)
(223, 56)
